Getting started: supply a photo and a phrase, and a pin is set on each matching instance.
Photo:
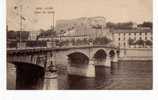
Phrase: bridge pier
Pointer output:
(106, 64)
(83, 70)
(115, 58)
(50, 81)
(108, 61)
(114, 63)
(91, 69)
(11, 77)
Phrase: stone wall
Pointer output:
(136, 54)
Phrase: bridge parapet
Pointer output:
(35, 60)
(41, 57)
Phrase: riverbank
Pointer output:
(136, 58)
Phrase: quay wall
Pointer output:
(136, 54)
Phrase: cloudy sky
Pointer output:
(114, 11)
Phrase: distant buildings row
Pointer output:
(125, 38)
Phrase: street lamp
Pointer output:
(21, 18)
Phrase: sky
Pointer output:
(113, 10)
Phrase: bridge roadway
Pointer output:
(78, 60)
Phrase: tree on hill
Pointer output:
(125, 25)
(101, 40)
(47, 33)
(131, 41)
(16, 35)
(148, 42)
(140, 42)
(146, 24)
(97, 26)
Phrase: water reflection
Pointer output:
(122, 75)
(74, 82)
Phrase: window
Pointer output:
(124, 44)
(119, 34)
(119, 38)
(119, 43)
(145, 33)
(140, 33)
(129, 34)
(145, 38)
(129, 37)
(140, 38)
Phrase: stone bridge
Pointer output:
(82, 60)
(77, 60)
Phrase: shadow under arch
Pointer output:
(28, 76)
(100, 54)
(112, 53)
(78, 58)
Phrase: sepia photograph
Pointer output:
(79, 44)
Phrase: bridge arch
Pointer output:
(112, 53)
(78, 58)
(100, 57)
(100, 54)
(80, 64)
(82, 51)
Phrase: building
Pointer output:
(33, 35)
(122, 38)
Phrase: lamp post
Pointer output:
(53, 20)
(53, 23)
(20, 24)
(21, 18)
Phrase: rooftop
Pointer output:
(131, 30)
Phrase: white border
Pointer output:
(76, 95)
(2, 44)
(155, 46)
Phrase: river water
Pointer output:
(124, 75)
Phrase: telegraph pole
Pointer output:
(53, 20)
(20, 40)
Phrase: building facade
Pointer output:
(33, 35)
(132, 38)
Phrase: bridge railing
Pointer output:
(55, 44)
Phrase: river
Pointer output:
(125, 75)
